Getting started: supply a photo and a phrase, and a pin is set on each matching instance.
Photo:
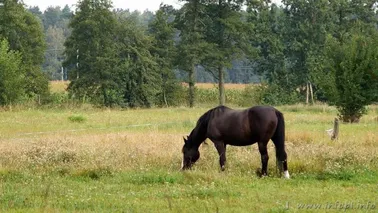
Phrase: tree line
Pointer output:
(300, 51)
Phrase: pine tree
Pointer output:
(139, 77)
(92, 48)
(227, 33)
(163, 50)
(190, 21)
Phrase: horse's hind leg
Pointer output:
(264, 157)
(221, 148)
(281, 158)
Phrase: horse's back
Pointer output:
(242, 127)
(262, 113)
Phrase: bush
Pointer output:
(350, 77)
(211, 96)
(252, 95)
(274, 95)
(175, 95)
(11, 75)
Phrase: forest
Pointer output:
(299, 51)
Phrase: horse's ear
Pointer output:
(185, 140)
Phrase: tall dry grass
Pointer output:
(61, 86)
(215, 86)
(58, 86)
(309, 148)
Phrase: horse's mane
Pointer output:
(203, 121)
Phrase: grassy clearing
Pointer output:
(128, 160)
(206, 94)
(58, 86)
(215, 86)
(61, 86)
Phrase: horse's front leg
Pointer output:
(221, 148)
(264, 158)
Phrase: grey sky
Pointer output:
(140, 5)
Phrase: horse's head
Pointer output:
(190, 154)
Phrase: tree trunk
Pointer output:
(77, 64)
(165, 99)
(307, 93)
(191, 86)
(106, 100)
(312, 94)
(222, 96)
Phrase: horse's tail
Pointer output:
(279, 141)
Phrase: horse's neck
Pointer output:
(197, 136)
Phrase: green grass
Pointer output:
(128, 161)
(164, 191)
(77, 118)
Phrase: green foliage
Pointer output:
(267, 37)
(250, 96)
(11, 74)
(140, 79)
(291, 40)
(350, 77)
(276, 95)
(58, 99)
(253, 95)
(92, 46)
(52, 16)
(192, 48)
(24, 34)
(112, 54)
(272, 36)
(163, 51)
(208, 97)
(176, 95)
(227, 35)
(127, 58)
(55, 24)
(55, 21)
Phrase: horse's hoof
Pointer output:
(223, 168)
(286, 174)
(258, 173)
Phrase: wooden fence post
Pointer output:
(335, 129)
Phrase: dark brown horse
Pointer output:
(225, 126)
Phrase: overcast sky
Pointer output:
(140, 5)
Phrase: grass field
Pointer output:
(61, 86)
(102, 160)
(215, 86)
(58, 86)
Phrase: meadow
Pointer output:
(59, 86)
(89, 159)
